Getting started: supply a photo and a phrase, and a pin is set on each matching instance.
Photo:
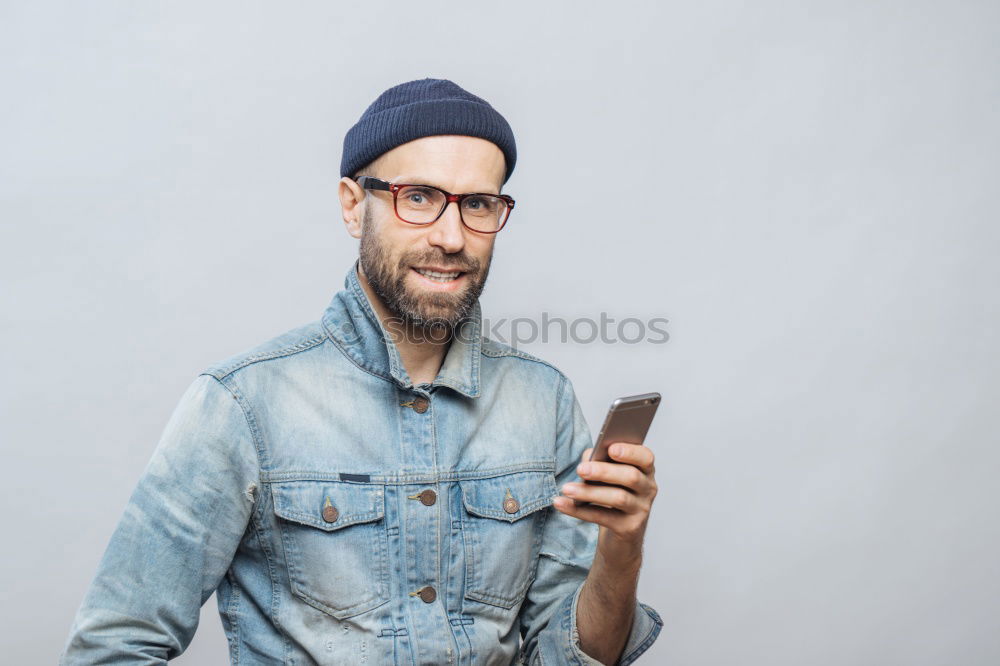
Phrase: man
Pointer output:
(381, 486)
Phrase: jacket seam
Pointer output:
(232, 610)
(537, 466)
(305, 345)
(251, 524)
(271, 570)
(251, 425)
(513, 353)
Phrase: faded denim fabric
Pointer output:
(289, 480)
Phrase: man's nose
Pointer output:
(448, 233)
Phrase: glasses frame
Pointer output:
(372, 183)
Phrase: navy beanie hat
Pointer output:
(422, 108)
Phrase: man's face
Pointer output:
(396, 256)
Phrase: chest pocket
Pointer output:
(502, 530)
(335, 542)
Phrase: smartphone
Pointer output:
(628, 420)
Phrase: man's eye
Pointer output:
(479, 204)
(417, 196)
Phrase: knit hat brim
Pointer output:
(380, 132)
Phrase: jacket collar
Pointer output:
(352, 324)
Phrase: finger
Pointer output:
(620, 474)
(633, 454)
(592, 514)
(586, 454)
(614, 497)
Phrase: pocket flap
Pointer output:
(328, 505)
(508, 497)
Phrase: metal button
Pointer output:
(510, 505)
(420, 404)
(427, 594)
(428, 497)
(330, 513)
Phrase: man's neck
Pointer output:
(421, 354)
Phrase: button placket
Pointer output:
(425, 518)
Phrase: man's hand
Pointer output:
(607, 602)
(626, 504)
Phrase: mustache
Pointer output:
(459, 262)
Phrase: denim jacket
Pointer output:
(344, 515)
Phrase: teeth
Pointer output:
(438, 277)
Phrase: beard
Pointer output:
(430, 311)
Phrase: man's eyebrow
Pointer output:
(419, 180)
(412, 180)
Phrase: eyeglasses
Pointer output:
(424, 204)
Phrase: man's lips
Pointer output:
(438, 269)
(440, 280)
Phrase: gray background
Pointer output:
(802, 189)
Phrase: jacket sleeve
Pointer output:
(548, 616)
(177, 536)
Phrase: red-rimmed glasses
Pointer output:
(424, 204)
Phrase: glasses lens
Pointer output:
(419, 204)
(484, 212)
